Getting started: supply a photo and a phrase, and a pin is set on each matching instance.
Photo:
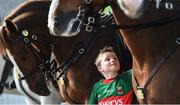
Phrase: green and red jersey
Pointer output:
(115, 92)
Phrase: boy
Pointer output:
(115, 89)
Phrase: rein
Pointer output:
(155, 23)
(142, 91)
(24, 90)
(64, 67)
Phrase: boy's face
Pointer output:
(109, 63)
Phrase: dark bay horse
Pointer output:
(79, 76)
(28, 49)
(153, 40)
(12, 39)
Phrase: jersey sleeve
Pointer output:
(127, 76)
(93, 98)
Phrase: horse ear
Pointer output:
(11, 26)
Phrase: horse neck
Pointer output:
(147, 45)
(29, 6)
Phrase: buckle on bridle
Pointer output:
(34, 37)
(41, 66)
(169, 6)
(178, 41)
(81, 51)
(91, 19)
(89, 28)
(26, 40)
(141, 93)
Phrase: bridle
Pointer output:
(168, 5)
(44, 66)
(44, 62)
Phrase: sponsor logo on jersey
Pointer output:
(120, 90)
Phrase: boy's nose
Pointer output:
(112, 60)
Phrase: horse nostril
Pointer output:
(56, 22)
(43, 91)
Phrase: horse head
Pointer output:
(22, 48)
(66, 15)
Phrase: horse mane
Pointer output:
(27, 6)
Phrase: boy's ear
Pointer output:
(100, 69)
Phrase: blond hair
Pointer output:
(102, 51)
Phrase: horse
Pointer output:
(20, 52)
(150, 30)
(80, 75)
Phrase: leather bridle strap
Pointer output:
(143, 90)
(104, 5)
(155, 23)
(43, 61)
(29, 96)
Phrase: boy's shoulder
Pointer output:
(127, 74)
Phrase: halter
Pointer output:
(45, 65)
(44, 62)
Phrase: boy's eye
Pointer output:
(107, 59)
(114, 58)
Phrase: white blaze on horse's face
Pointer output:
(62, 25)
(51, 21)
(132, 8)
